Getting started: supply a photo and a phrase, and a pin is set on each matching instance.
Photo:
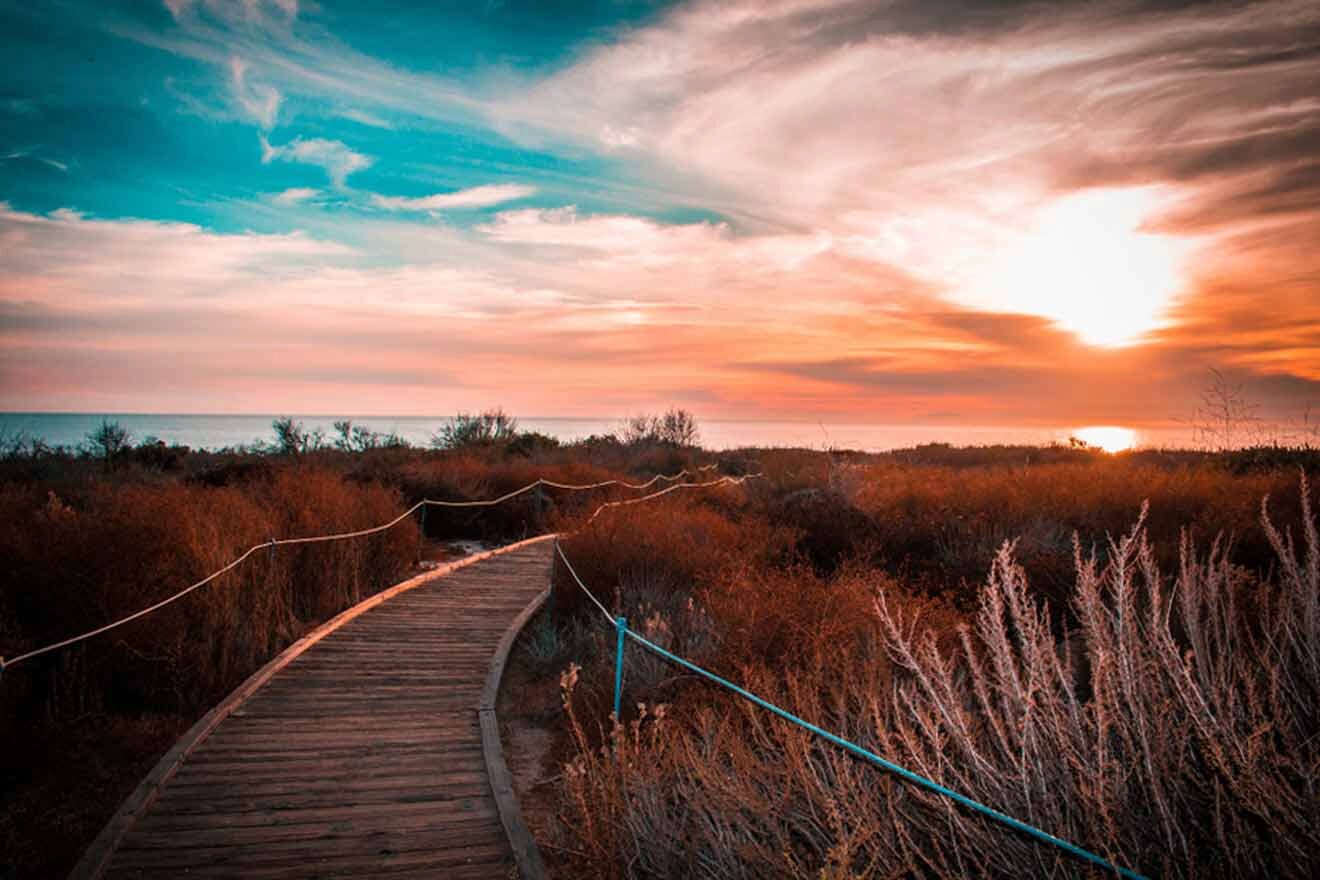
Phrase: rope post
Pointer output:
(621, 627)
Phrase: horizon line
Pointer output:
(945, 421)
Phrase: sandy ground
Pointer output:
(529, 712)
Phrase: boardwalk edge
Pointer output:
(97, 856)
(525, 852)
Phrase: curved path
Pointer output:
(357, 752)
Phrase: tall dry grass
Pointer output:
(76, 562)
(1174, 728)
(938, 525)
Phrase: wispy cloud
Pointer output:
(301, 57)
(616, 233)
(85, 246)
(295, 195)
(260, 102)
(18, 155)
(249, 10)
(365, 118)
(335, 157)
(473, 197)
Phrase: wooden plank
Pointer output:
(480, 819)
(421, 772)
(197, 852)
(158, 822)
(483, 861)
(220, 803)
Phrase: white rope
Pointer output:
(722, 481)
(277, 542)
(340, 536)
(648, 484)
(161, 604)
(577, 487)
(590, 595)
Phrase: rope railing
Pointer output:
(6, 663)
(722, 481)
(577, 487)
(624, 632)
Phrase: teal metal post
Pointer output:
(620, 626)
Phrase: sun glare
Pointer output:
(1087, 266)
(1110, 438)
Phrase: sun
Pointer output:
(1110, 438)
(1088, 266)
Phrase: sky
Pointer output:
(912, 211)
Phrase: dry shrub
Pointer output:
(793, 469)
(674, 542)
(831, 530)
(470, 476)
(639, 459)
(780, 617)
(1173, 731)
(80, 562)
(944, 525)
(325, 578)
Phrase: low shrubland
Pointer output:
(1151, 696)
(1163, 710)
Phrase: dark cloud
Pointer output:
(1094, 389)
(1204, 105)
(1017, 332)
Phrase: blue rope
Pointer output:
(888, 765)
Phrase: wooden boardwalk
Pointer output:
(357, 753)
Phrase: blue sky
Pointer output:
(125, 109)
(911, 211)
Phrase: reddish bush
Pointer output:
(78, 562)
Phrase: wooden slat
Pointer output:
(361, 751)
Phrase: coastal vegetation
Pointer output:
(1162, 714)
(1118, 648)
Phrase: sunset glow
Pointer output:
(1088, 266)
(1107, 437)
(919, 213)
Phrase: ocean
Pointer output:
(220, 431)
